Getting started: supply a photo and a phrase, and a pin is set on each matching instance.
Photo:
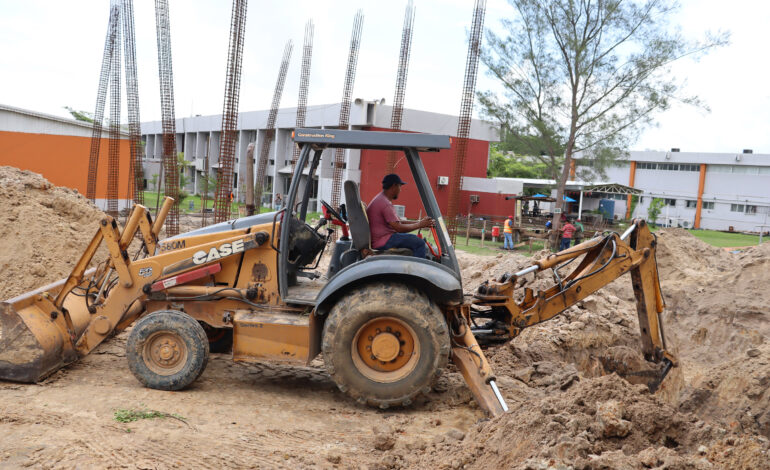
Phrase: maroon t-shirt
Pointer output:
(380, 213)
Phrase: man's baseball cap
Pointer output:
(390, 180)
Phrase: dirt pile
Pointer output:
(43, 230)
(597, 423)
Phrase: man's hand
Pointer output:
(408, 226)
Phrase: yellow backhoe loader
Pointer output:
(386, 322)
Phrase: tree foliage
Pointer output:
(653, 210)
(586, 76)
(84, 116)
(511, 165)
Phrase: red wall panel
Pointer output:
(436, 164)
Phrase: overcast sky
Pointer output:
(51, 56)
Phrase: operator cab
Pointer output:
(306, 244)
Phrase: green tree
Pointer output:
(84, 116)
(184, 180)
(510, 165)
(154, 182)
(653, 211)
(586, 76)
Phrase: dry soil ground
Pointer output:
(713, 411)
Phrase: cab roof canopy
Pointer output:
(335, 138)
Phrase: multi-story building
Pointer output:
(700, 190)
(198, 139)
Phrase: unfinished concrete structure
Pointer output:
(196, 134)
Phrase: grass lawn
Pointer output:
(727, 239)
(490, 247)
(151, 197)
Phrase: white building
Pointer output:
(701, 190)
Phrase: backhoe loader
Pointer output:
(386, 322)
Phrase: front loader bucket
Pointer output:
(35, 340)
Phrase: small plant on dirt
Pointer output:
(123, 415)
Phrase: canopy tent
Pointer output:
(568, 199)
(612, 188)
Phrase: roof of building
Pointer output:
(362, 114)
(711, 158)
(49, 117)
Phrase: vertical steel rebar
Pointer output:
(229, 136)
(464, 121)
(101, 96)
(403, 67)
(347, 91)
(304, 82)
(264, 152)
(136, 175)
(168, 120)
(113, 161)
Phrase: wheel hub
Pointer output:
(165, 353)
(385, 347)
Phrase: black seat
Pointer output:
(359, 225)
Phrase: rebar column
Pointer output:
(113, 161)
(168, 120)
(403, 67)
(136, 175)
(304, 82)
(264, 151)
(347, 91)
(101, 96)
(229, 136)
(464, 121)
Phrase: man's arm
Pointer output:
(405, 227)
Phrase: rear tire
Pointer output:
(385, 343)
(167, 350)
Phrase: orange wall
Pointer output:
(62, 159)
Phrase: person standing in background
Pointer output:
(579, 229)
(508, 233)
(566, 235)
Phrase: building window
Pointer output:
(692, 204)
(737, 207)
(670, 202)
(235, 180)
(667, 166)
(707, 205)
(751, 210)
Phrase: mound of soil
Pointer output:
(43, 230)
(597, 423)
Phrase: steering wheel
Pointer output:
(331, 211)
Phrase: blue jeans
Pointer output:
(406, 240)
(564, 243)
(508, 243)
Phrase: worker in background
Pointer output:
(548, 224)
(508, 233)
(566, 235)
(278, 201)
(387, 230)
(579, 229)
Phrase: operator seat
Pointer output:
(359, 225)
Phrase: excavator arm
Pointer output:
(599, 261)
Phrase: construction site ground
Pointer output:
(712, 412)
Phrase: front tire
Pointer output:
(167, 350)
(385, 343)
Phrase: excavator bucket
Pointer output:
(41, 331)
(35, 337)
